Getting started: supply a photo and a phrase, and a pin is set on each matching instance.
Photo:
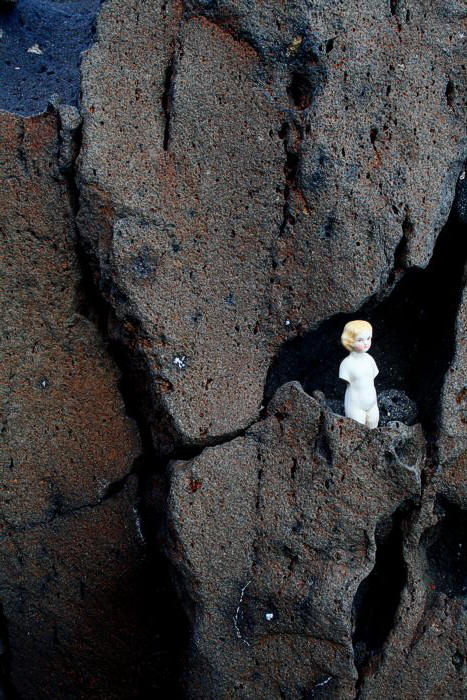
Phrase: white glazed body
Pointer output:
(359, 370)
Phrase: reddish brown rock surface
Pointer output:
(73, 593)
(71, 556)
(249, 175)
(250, 171)
(65, 433)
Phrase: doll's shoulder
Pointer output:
(344, 368)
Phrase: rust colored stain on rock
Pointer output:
(65, 440)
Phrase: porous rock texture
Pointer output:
(272, 534)
(247, 171)
(62, 416)
(72, 622)
(246, 177)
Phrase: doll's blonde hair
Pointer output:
(351, 330)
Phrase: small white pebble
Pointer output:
(462, 175)
(35, 49)
(287, 323)
(16, 67)
(180, 362)
(269, 616)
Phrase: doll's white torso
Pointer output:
(359, 370)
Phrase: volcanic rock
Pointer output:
(247, 172)
(271, 535)
(73, 622)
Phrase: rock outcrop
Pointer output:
(272, 534)
(41, 44)
(248, 172)
(240, 179)
(73, 563)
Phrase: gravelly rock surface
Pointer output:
(246, 172)
(66, 437)
(249, 174)
(272, 534)
(71, 583)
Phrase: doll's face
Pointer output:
(362, 341)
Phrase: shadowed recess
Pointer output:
(413, 331)
(7, 690)
(40, 51)
(378, 596)
(159, 604)
(445, 546)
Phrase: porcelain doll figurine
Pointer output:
(359, 370)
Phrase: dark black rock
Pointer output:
(395, 405)
(41, 46)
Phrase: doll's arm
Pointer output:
(343, 371)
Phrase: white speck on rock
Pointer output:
(35, 49)
(462, 175)
(179, 362)
(287, 322)
(269, 616)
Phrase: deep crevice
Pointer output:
(292, 158)
(445, 547)
(167, 97)
(164, 610)
(307, 72)
(450, 94)
(7, 689)
(164, 613)
(378, 596)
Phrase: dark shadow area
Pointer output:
(7, 690)
(378, 596)
(307, 71)
(160, 608)
(40, 51)
(413, 331)
(445, 545)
